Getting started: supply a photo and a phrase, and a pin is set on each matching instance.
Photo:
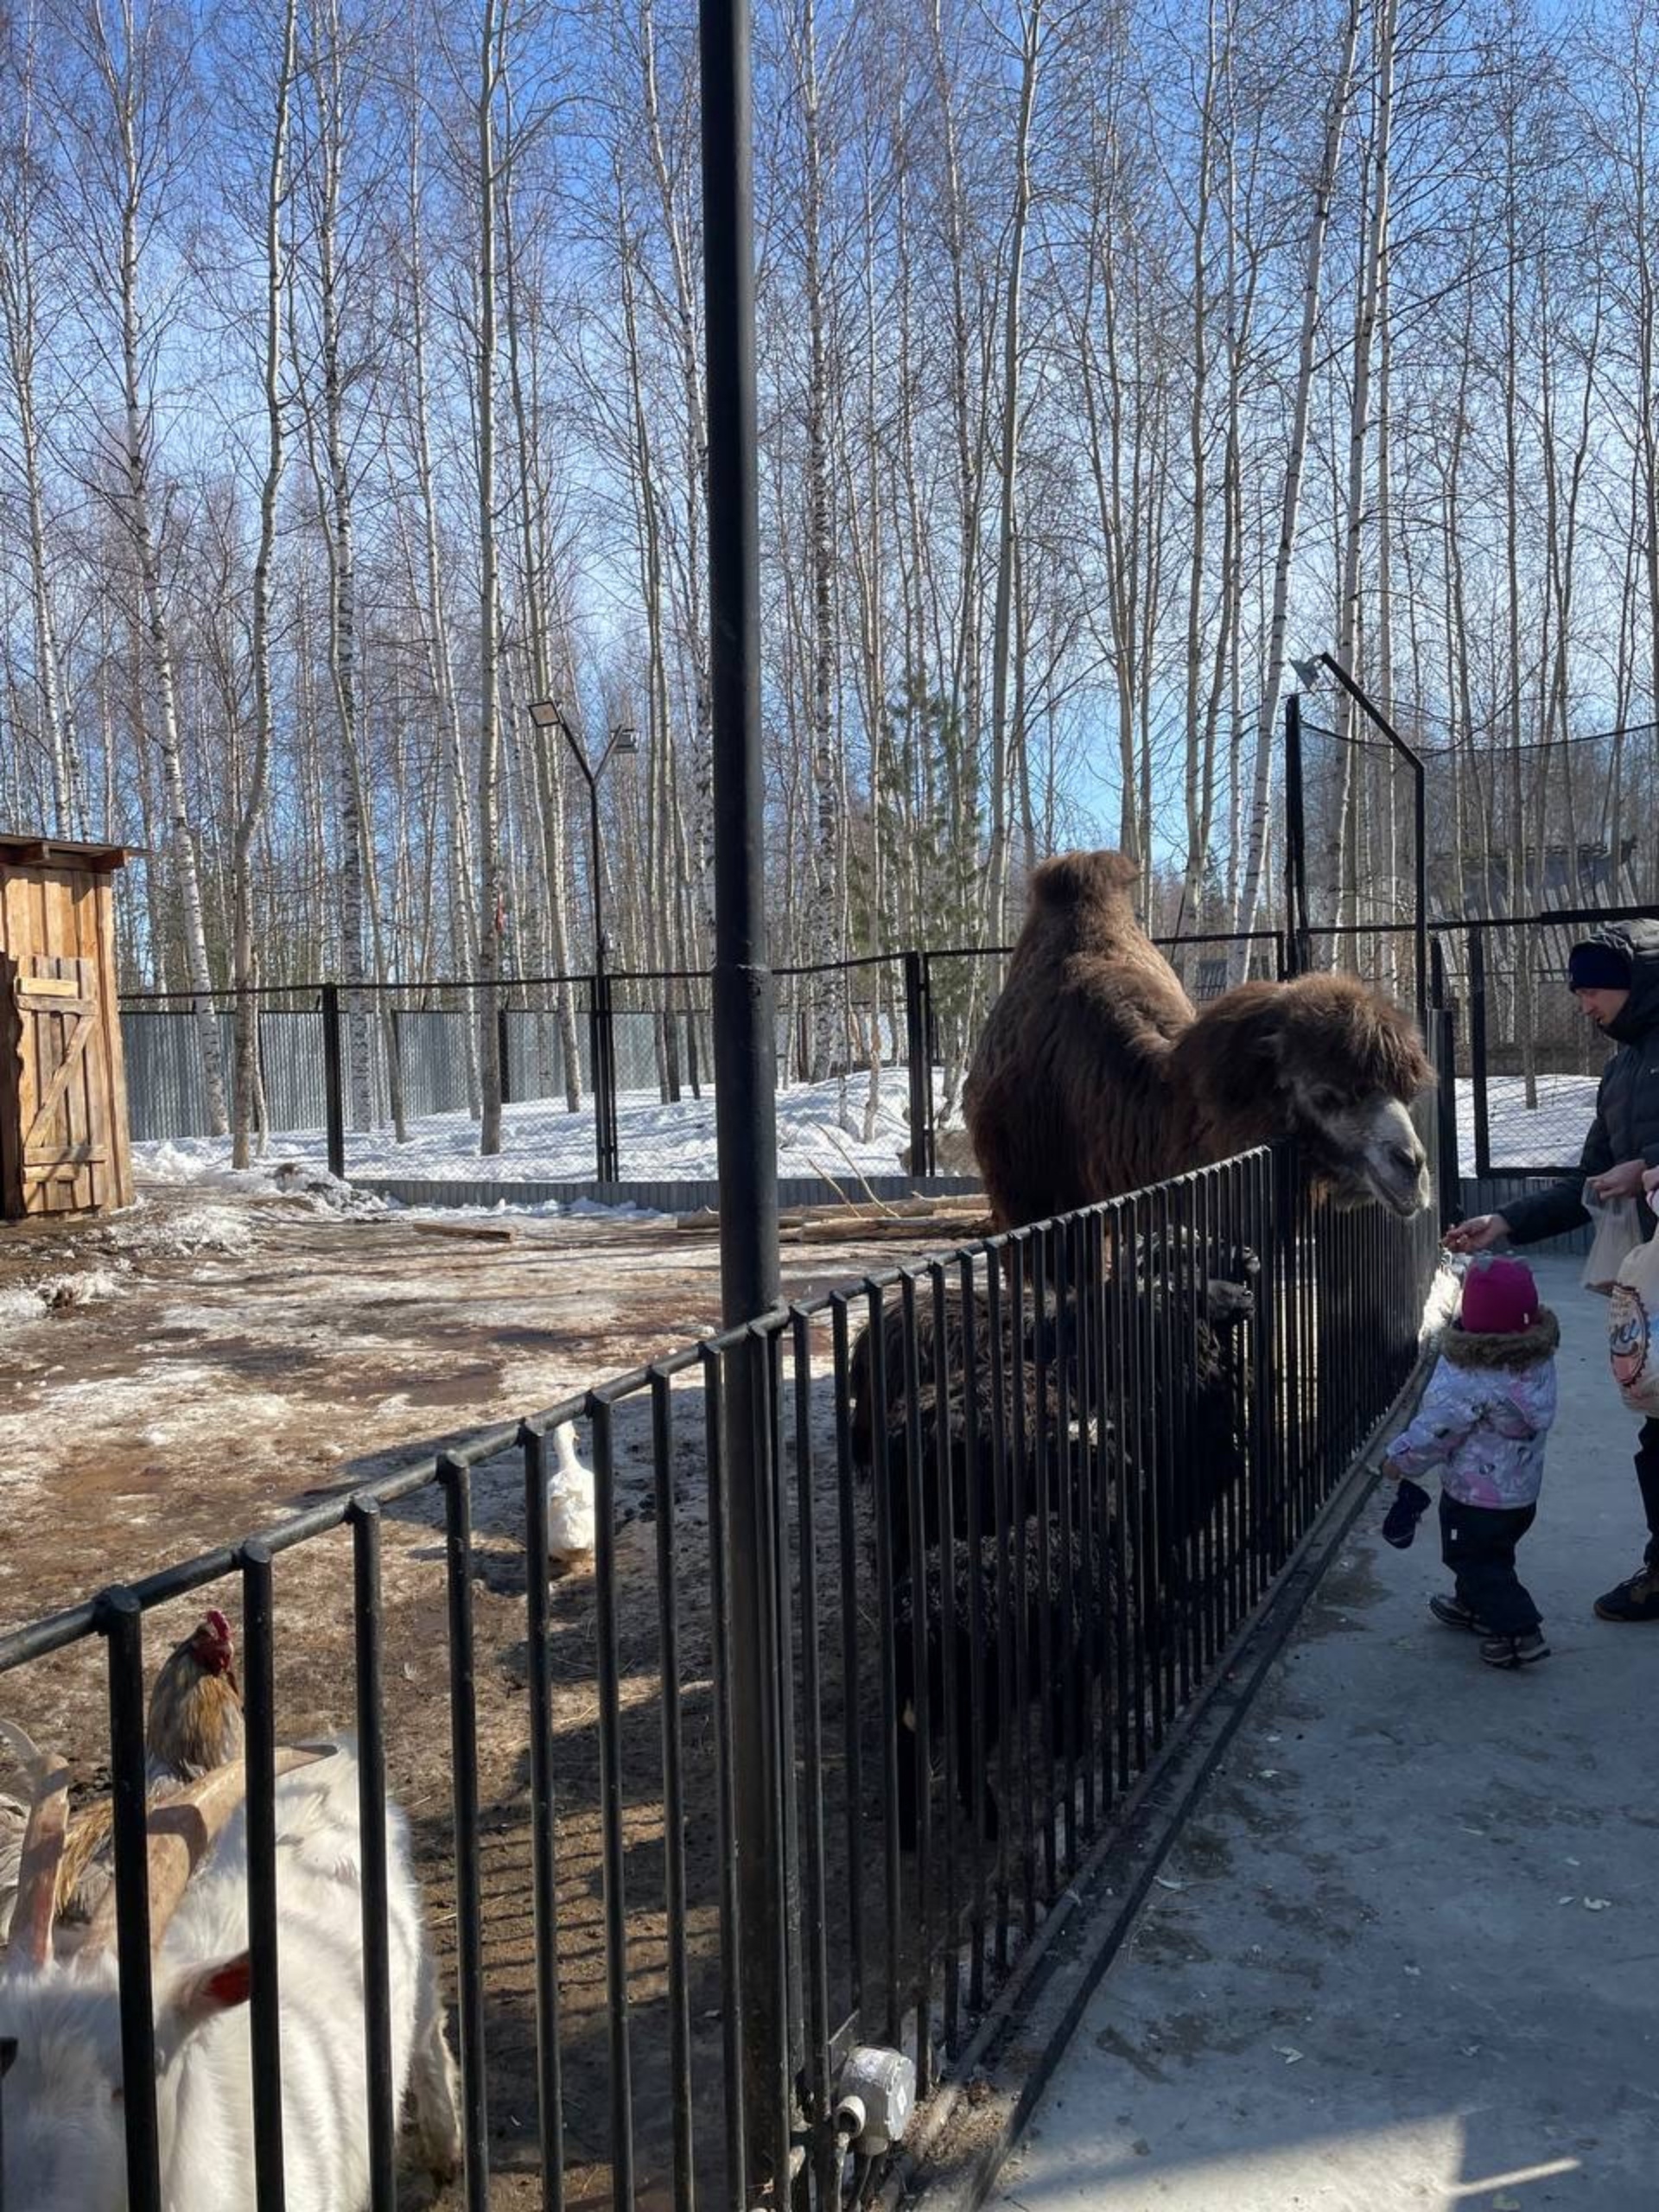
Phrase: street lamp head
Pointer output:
(1309, 673)
(624, 740)
(544, 713)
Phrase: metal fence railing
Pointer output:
(1534, 1059)
(607, 1079)
(1019, 1501)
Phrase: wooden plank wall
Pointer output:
(52, 918)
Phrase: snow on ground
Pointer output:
(1549, 1134)
(543, 1143)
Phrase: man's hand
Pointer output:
(1624, 1181)
(1650, 1180)
(1478, 1234)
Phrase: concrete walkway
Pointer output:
(1406, 1952)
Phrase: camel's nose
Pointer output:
(1399, 1166)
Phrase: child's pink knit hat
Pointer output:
(1499, 1297)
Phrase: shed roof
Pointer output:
(19, 849)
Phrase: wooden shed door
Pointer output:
(64, 1085)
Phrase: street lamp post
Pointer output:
(1309, 673)
(548, 714)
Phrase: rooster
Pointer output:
(194, 1723)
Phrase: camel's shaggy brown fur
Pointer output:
(1095, 1075)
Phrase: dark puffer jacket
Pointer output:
(1626, 1126)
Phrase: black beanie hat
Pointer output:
(1597, 967)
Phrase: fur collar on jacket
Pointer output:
(1514, 1348)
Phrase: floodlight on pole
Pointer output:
(1309, 674)
(548, 714)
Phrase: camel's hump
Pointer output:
(1078, 878)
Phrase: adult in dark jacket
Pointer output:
(1614, 974)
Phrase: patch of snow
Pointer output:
(1553, 1131)
(545, 1143)
(39, 1301)
(20, 1304)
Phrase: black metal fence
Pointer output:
(607, 1078)
(1018, 1503)
(1357, 852)
(1534, 1059)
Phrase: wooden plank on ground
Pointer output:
(491, 1232)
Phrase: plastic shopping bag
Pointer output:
(1618, 1232)
(1633, 1330)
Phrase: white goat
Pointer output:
(64, 2142)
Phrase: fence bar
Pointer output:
(1026, 1495)
(1301, 942)
(610, 1803)
(919, 1769)
(1002, 1512)
(121, 1618)
(923, 1156)
(814, 1934)
(852, 1701)
(679, 1996)
(456, 1477)
(333, 1080)
(264, 2021)
(731, 1892)
(952, 1691)
(549, 2088)
(1478, 1053)
(371, 1807)
(973, 1476)
(887, 1571)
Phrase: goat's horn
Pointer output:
(183, 1826)
(37, 1877)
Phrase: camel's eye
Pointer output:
(1324, 1100)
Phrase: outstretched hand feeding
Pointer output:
(1477, 1235)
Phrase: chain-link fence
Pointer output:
(1522, 829)
(1355, 856)
(169, 1080)
(1534, 1059)
(605, 1080)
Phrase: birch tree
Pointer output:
(128, 136)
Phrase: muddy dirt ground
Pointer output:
(186, 1374)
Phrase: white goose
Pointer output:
(570, 1524)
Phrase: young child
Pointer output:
(1482, 1421)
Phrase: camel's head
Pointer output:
(1331, 1062)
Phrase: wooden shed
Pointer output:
(64, 1146)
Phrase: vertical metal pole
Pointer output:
(454, 1477)
(1420, 826)
(599, 873)
(921, 1074)
(1478, 1052)
(745, 1045)
(1419, 818)
(1450, 1170)
(543, 1820)
(264, 2017)
(1296, 841)
(333, 1084)
(369, 1623)
(122, 1625)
